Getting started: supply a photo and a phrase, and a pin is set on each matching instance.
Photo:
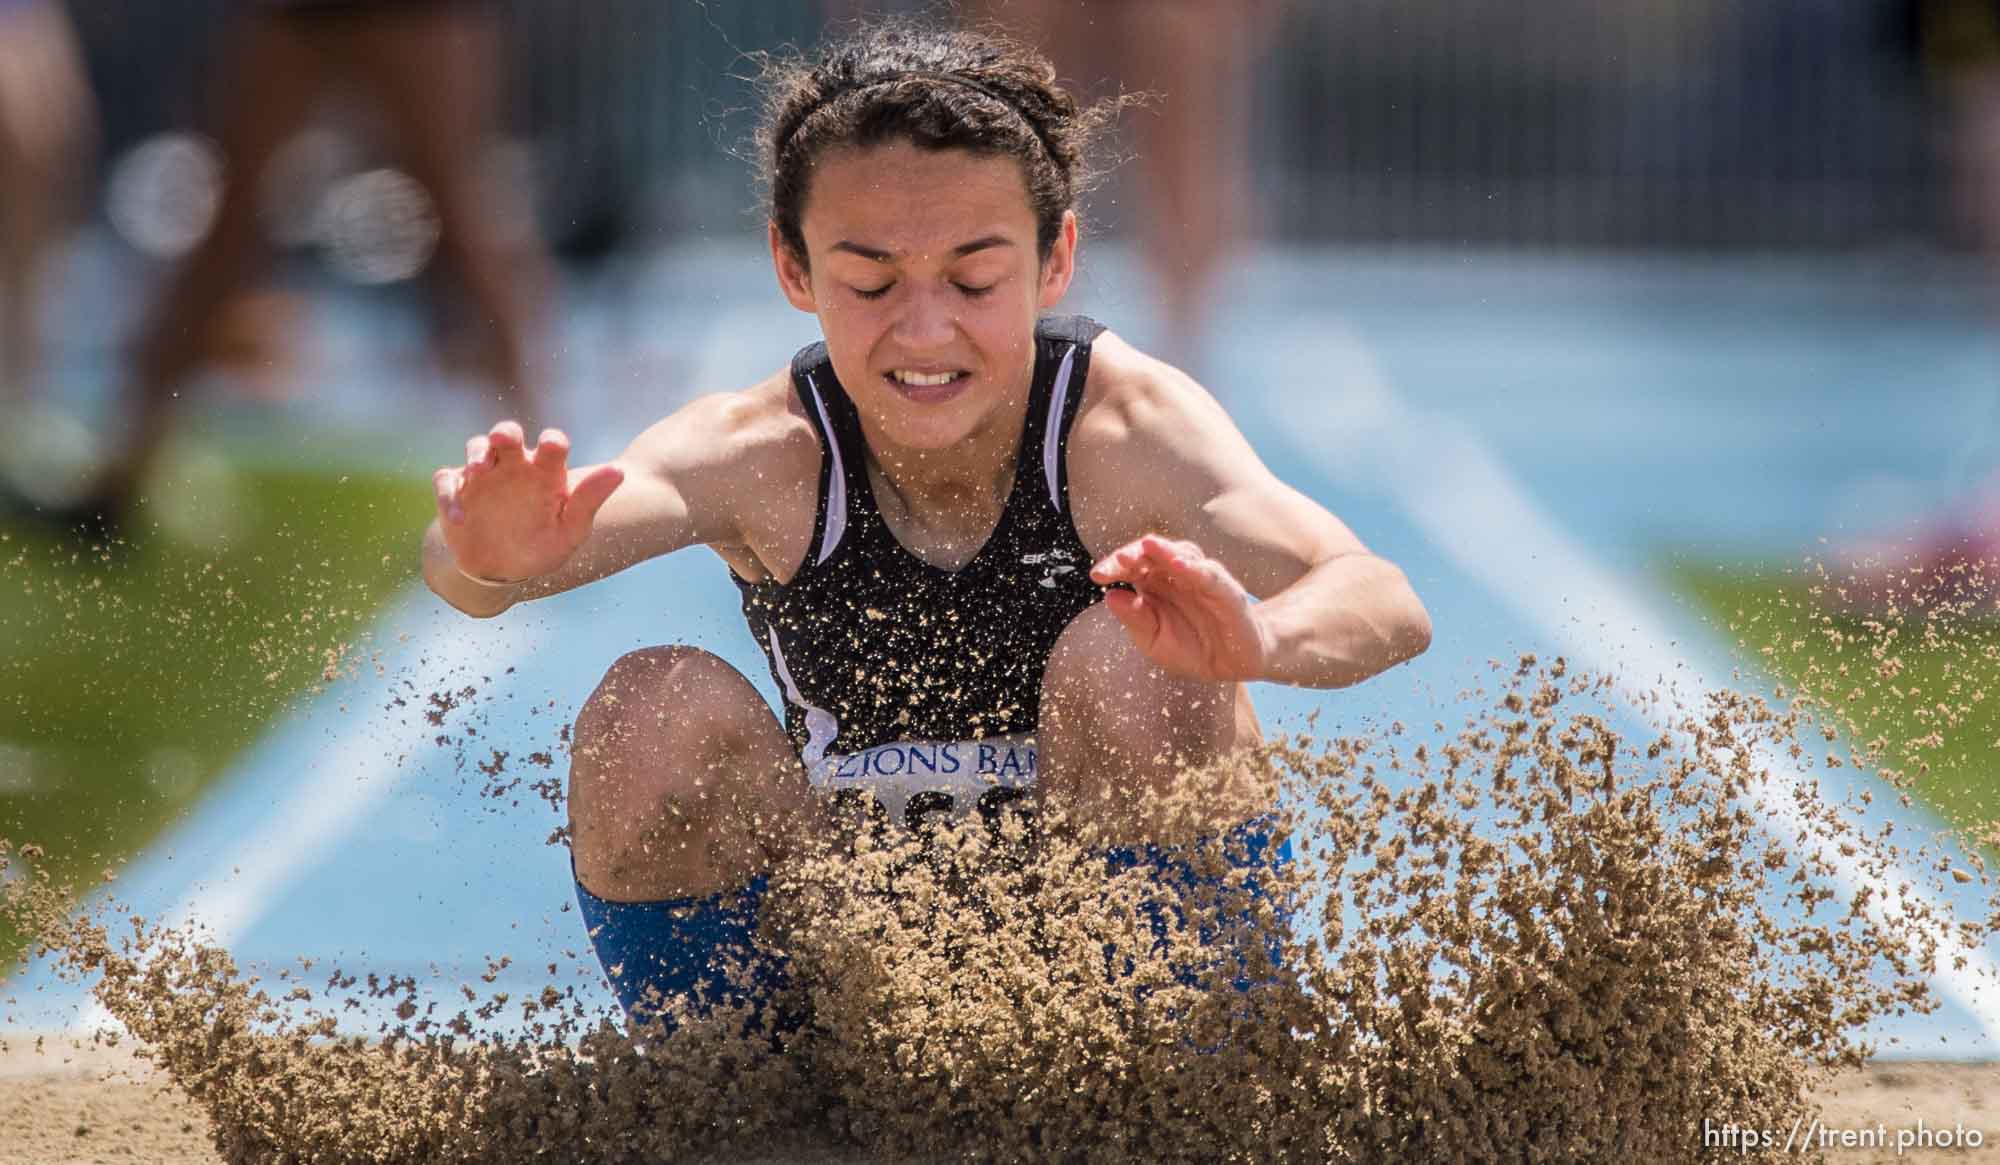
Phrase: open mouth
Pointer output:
(929, 387)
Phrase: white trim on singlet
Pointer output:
(821, 725)
(836, 493)
(1052, 435)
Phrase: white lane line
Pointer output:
(321, 783)
(1472, 509)
(321, 771)
(309, 783)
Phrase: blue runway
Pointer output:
(1527, 438)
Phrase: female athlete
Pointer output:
(989, 552)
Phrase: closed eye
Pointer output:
(971, 293)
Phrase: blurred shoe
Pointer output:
(96, 522)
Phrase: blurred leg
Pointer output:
(271, 77)
(1973, 97)
(1194, 55)
(47, 124)
(1076, 36)
(1050, 25)
(435, 67)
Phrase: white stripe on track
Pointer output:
(317, 775)
(322, 770)
(344, 776)
(1456, 490)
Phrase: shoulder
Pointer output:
(740, 469)
(1132, 396)
(755, 431)
(1140, 419)
(1152, 451)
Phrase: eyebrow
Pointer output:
(959, 252)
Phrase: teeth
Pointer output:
(920, 380)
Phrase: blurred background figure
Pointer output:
(1953, 49)
(47, 127)
(1188, 180)
(427, 74)
(1192, 140)
(1955, 45)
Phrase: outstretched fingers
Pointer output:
(1125, 564)
(1208, 577)
(588, 491)
(502, 447)
(506, 443)
(445, 483)
(1153, 561)
(1176, 564)
(552, 453)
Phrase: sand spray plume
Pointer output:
(1531, 938)
(1478, 515)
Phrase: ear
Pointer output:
(793, 277)
(1060, 265)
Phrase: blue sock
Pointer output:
(680, 948)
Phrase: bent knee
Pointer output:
(1095, 663)
(656, 724)
(657, 671)
(664, 690)
(1098, 681)
(657, 765)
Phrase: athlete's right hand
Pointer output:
(510, 513)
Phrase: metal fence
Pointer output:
(1630, 123)
(1787, 124)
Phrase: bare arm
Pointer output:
(1210, 526)
(511, 528)
(634, 520)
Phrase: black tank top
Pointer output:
(871, 645)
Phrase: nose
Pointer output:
(927, 322)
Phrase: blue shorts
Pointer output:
(687, 948)
(680, 948)
(1246, 847)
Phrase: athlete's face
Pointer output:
(927, 283)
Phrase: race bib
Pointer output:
(909, 782)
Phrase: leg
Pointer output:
(1046, 24)
(435, 68)
(1117, 731)
(1973, 97)
(47, 129)
(1194, 55)
(269, 84)
(682, 782)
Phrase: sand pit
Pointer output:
(107, 1108)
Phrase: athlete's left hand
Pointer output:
(1186, 612)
